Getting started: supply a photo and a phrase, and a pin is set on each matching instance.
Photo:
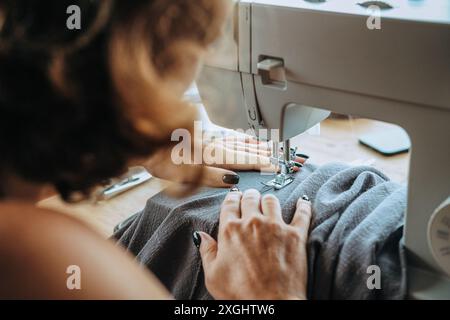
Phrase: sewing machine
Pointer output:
(285, 64)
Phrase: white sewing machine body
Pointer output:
(285, 64)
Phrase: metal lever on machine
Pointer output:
(271, 71)
(268, 68)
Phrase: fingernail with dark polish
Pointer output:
(234, 189)
(305, 197)
(301, 155)
(230, 179)
(298, 164)
(197, 239)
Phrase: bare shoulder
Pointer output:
(40, 248)
(18, 221)
(16, 211)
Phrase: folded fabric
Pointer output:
(357, 223)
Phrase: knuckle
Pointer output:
(274, 227)
(295, 235)
(234, 224)
(305, 213)
(302, 223)
(251, 194)
(304, 209)
(302, 219)
(231, 227)
(233, 196)
(270, 199)
(251, 199)
(208, 250)
(254, 222)
(229, 202)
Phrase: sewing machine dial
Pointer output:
(439, 236)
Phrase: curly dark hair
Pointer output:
(77, 105)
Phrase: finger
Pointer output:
(250, 204)
(298, 164)
(243, 138)
(212, 176)
(264, 164)
(208, 250)
(231, 208)
(244, 161)
(260, 145)
(251, 148)
(302, 216)
(302, 155)
(219, 177)
(240, 141)
(296, 159)
(270, 206)
(248, 148)
(300, 160)
(236, 160)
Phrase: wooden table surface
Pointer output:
(338, 141)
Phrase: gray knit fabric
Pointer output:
(357, 222)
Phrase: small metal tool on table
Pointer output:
(133, 178)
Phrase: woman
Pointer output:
(79, 106)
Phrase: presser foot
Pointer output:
(281, 181)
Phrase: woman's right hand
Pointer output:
(257, 255)
(248, 154)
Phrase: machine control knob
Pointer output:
(439, 236)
